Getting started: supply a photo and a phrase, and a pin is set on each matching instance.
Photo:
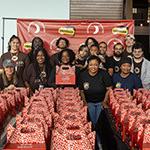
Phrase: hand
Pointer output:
(10, 87)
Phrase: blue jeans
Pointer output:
(94, 111)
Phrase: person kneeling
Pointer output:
(8, 78)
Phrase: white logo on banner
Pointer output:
(53, 43)
(97, 26)
(38, 25)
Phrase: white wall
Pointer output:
(41, 9)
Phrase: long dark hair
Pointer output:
(93, 39)
(32, 52)
(11, 39)
(37, 37)
(47, 63)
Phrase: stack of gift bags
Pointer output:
(132, 116)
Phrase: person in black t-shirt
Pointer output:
(129, 42)
(94, 84)
(113, 63)
(141, 66)
(14, 53)
(125, 79)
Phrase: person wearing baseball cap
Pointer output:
(129, 42)
(8, 63)
(130, 36)
(14, 53)
(8, 78)
(125, 79)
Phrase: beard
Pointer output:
(118, 54)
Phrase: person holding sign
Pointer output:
(64, 74)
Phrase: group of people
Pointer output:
(95, 72)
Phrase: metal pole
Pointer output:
(3, 31)
(10, 18)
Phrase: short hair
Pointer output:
(126, 60)
(137, 45)
(64, 39)
(103, 43)
(93, 57)
(118, 44)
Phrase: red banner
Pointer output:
(76, 31)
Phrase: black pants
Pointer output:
(108, 136)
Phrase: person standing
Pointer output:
(125, 78)
(141, 66)
(129, 42)
(102, 51)
(61, 43)
(20, 59)
(113, 63)
(91, 41)
(65, 58)
(38, 72)
(94, 83)
(81, 56)
(37, 43)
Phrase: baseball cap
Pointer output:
(130, 36)
(8, 63)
